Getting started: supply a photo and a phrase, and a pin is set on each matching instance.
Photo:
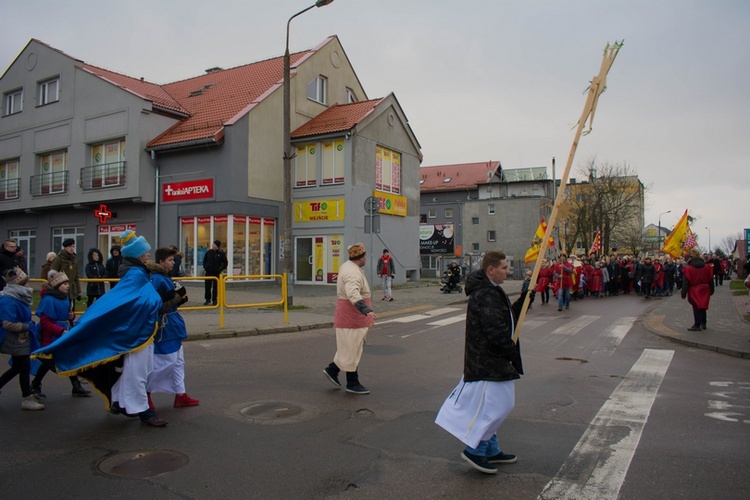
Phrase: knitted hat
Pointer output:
(133, 246)
(51, 256)
(217, 243)
(15, 276)
(356, 251)
(55, 279)
(68, 241)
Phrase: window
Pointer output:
(305, 165)
(107, 165)
(475, 220)
(387, 170)
(475, 247)
(350, 96)
(333, 162)
(491, 209)
(13, 102)
(448, 213)
(48, 91)
(431, 213)
(9, 182)
(52, 167)
(317, 89)
(491, 235)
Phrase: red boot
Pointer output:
(150, 403)
(182, 400)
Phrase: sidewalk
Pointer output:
(670, 317)
(727, 333)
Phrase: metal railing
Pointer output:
(10, 189)
(221, 294)
(103, 176)
(46, 184)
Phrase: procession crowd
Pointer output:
(142, 352)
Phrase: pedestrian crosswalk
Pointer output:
(593, 333)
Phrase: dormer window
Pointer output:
(48, 91)
(350, 96)
(318, 89)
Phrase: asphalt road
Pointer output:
(605, 409)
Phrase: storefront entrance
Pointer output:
(317, 259)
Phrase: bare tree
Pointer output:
(728, 242)
(611, 198)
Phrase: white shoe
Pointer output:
(31, 404)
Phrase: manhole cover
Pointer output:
(273, 412)
(142, 463)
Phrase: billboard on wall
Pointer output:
(436, 239)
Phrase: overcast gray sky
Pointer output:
(478, 79)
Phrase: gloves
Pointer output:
(182, 292)
(184, 299)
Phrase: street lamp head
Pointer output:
(323, 3)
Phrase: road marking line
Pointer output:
(610, 338)
(597, 466)
(423, 316)
(448, 321)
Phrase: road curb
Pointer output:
(655, 324)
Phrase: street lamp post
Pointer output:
(659, 238)
(288, 155)
(709, 239)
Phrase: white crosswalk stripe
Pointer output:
(421, 316)
(448, 321)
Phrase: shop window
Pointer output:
(387, 170)
(333, 162)
(305, 165)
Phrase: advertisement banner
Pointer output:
(436, 239)
(391, 204)
(187, 190)
(319, 210)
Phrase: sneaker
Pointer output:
(37, 392)
(207, 303)
(215, 303)
(30, 403)
(502, 458)
(79, 392)
(183, 400)
(694, 328)
(384, 298)
(703, 325)
(390, 300)
(357, 389)
(333, 377)
(479, 463)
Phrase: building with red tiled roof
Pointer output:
(483, 207)
(86, 152)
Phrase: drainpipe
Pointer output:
(156, 199)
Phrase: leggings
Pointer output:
(21, 366)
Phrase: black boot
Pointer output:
(332, 372)
(353, 386)
(78, 390)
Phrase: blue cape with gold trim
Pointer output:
(123, 320)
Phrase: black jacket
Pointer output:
(490, 353)
(214, 262)
(113, 265)
(95, 270)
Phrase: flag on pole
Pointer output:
(596, 247)
(675, 242)
(690, 241)
(536, 243)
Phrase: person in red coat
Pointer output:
(697, 286)
(543, 280)
(597, 280)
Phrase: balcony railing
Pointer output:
(52, 183)
(10, 189)
(103, 176)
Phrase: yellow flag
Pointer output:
(536, 243)
(673, 244)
